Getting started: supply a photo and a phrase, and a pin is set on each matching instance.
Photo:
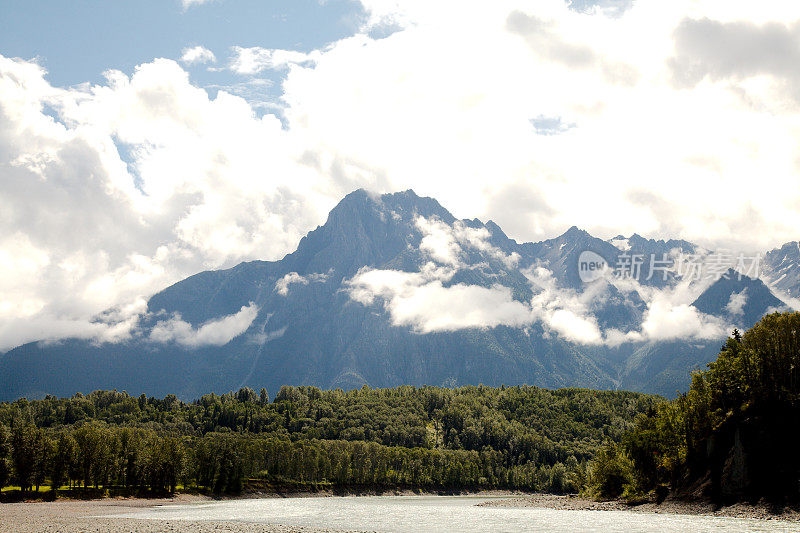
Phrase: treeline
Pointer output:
(733, 436)
(466, 438)
(90, 456)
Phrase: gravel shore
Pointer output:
(576, 503)
(90, 516)
(97, 515)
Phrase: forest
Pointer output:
(428, 438)
(732, 437)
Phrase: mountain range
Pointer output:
(393, 289)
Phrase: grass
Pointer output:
(43, 488)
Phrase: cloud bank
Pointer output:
(427, 301)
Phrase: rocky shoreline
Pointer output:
(761, 511)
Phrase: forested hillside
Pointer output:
(429, 438)
(732, 437)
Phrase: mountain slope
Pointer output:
(308, 330)
(739, 299)
(781, 268)
(394, 290)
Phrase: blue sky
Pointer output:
(77, 40)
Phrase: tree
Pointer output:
(23, 444)
(165, 464)
(42, 449)
(610, 471)
(89, 441)
(63, 460)
(5, 456)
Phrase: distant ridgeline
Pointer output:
(394, 290)
(732, 437)
(432, 438)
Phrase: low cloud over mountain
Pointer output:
(393, 289)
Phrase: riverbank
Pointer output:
(761, 511)
(96, 516)
(104, 514)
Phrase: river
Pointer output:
(445, 513)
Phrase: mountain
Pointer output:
(394, 290)
(781, 267)
(661, 367)
(739, 299)
(307, 329)
(657, 257)
(561, 255)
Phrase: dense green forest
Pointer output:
(406, 437)
(732, 437)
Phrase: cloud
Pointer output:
(282, 285)
(112, 191)
(259, 92)
(707, 48)
(607, 7)
(203, 184)
(197, 54)
(550, 125)
(421, 301)
(736, 303)
(545, 40)
(668, 322)
(212, 333)
(426, 302)
(115, 325)
(253, 60)
(555, 62)
(447, 243)
(670, 315)
(189, 3)
(564, 311)
(439, 242)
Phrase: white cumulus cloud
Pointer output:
(214, 332)
(197, 54)
(420, 300)
(447, 243)
(736, 303)
(283, 284)
(111, 191)
(256, 59)
(114, 191)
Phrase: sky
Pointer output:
(143, 141)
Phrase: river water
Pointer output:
(445, 513)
